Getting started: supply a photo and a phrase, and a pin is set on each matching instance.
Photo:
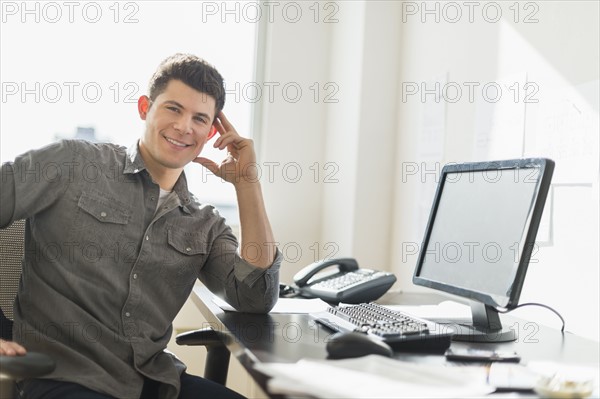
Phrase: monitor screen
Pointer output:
(482, 229)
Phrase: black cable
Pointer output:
(537, 304)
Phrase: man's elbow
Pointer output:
(259, 299)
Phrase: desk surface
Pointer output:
(280, 337)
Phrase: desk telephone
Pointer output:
(347, 283)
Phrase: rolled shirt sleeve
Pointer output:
(246, 287)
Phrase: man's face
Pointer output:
(178, 123)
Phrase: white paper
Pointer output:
(433, 127)
(374, 376)
(575, 372)
(447, 310)
(512, 376)
(284, 305)
(500, 119)
(430, 151)
(565, 129)
(529, 376)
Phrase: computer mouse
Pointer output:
(343, 345)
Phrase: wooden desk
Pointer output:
(254, 338)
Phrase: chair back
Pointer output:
(12, 247)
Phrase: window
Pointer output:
(78, 68)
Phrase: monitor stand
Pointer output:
(486, 326)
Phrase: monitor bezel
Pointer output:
(546, 168)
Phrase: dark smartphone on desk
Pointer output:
(481, 355)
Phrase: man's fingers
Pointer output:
(224, 121)
(8, 348)
(220, 128)
(227, 139)
(228, 134)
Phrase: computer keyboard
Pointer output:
(399, 330)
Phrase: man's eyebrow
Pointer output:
(182, 107)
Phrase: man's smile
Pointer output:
(176, 143)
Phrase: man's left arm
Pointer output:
(239, 168)
(258, 247)
(257, 242)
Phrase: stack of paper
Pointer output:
(548, 379)
(446, 310)
(374, 377)
(284, 305)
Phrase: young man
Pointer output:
(115, 241)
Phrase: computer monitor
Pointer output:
(480, 236)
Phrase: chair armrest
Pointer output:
(217, 356)
(203, 337)
(30, 365)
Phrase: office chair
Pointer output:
(34, 364)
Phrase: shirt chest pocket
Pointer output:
(100, 222)
(187, 253)
(104, 210)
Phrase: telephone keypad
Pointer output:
(346, 280)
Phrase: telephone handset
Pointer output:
(344, 265)
(347, 283)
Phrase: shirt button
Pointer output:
(103, 214)
(136, 170)
(135, 276)
(147, 238)
(127, 314)
(152, 198)
(188, 249)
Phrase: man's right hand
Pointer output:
(9, 348)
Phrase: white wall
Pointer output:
(558, 52)
(296, 55)
(369, 211)
(360, 132)
(347, 134)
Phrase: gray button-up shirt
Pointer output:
(106, 271)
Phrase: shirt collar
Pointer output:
(184, 195)
(135, 164)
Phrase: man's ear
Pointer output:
(211, 134)
(143, 106)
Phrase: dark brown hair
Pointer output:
(194, 72)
